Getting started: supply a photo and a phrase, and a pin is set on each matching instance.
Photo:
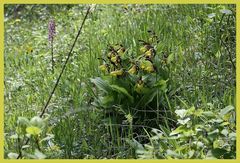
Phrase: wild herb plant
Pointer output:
(132, 83)
(39, 136)
(199, 135)
(51, 35)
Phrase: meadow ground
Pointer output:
(143, 81)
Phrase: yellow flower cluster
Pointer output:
(114, 56)
(116, 61)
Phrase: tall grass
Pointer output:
(201, 51)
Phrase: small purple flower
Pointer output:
(51, 30)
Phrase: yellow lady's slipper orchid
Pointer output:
(117, 73)
(147, 66)
(143, 49)
(114, 59)
(103, 67)
(121, 51)
(139, 86)
(153, 39)
(149, 53)
(133, 70)
(29, 49)
(111, 54)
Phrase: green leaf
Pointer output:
(106, 101)
(23, 121)
(191, 153)
(129, 118)
(37, 122)
(218, 152)
(49, 137)
(184, 121)
(226, 110)
(178, 130)
(209, 114)
(199, 144)
(226, 11)
(224, 132)
(218, 54)
(191, 110)
(39, 155)
(214, 132)
(217, 120)
(218, 143)
(224, 124)
(84, 145)
(198, 112)
(147, 98)
(15, 136)
(25, 146)
(173, 154)
(181, 112)
(188, 133)
(212, 15)
(134, 144)
(162, 84)
(101, 84)
(198, 127)
(210, 156)
(170, 58)
(122, 90)
(12, 155)
(32, 130)
(232, 136)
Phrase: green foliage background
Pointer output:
(197, 41)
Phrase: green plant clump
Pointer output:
(199, 135)
(132, 82)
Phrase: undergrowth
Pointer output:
(143, 81)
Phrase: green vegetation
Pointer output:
(142, 81)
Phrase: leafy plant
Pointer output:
(39, 135)
(131, 85)
(199, 134)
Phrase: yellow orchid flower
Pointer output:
(121, 51)
(103, 67)
(143, 49)
(111, 54)
(133, 70)
(117, 73)
(150, 69)
(114, 59)
(29, 49)
(149, 53)
(147, 66)
(139, 87)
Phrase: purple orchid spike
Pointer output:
(51, 30)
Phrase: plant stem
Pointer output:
(37, 143)
(52, 56)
